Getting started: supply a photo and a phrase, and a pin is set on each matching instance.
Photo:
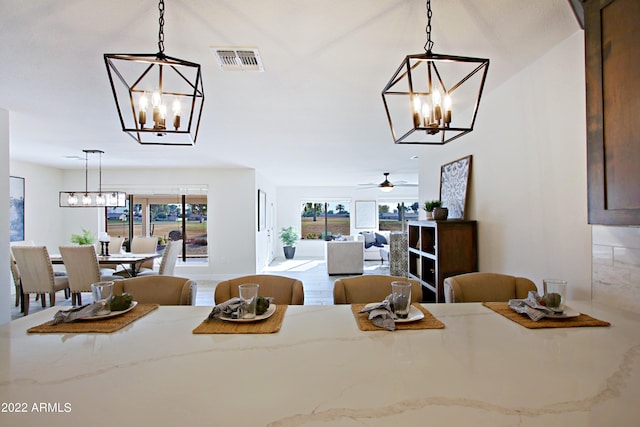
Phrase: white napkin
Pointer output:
(530, 306)
(233, 308)
(82, 312)
(381, 315)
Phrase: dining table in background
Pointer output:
(481, 369)
(134, 260)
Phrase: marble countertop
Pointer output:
(320, 369)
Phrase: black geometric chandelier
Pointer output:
(433, 98)
(159, 98)
(92, 199)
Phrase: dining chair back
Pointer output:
(370, 288)
(486, 287)
(163, 290)
(15, 274)
(144, 245)
(168, 261)
(81, 263)
(284, 290)
(36, 274)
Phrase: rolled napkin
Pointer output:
(530, 306)
(82, 312)
(381, 315)
(233, 308)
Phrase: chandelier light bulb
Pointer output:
(86, 199)
(156, 98)
(447, 109)
(100, 199)
(177, 108)
(72, 199)
(142, 114)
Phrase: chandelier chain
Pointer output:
(161, 22)
(429, 44)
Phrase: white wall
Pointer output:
(290, 200)
(528, 185)
(5, 291)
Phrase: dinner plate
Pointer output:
(566, 314)
(112, 314)
(414, 314)
(265, 315)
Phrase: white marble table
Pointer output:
(320, 369)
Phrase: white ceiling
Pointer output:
(313, 117)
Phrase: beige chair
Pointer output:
(284, 290)
(144, 245)
(81, 263)
(370, 288)
(163, 290)
(36, 274)
(486, 287)
(345, 257)
(168, 262)
(15, 274)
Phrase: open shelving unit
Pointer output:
(439, 249)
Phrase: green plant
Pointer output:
(289, 236)
(430, 205)
(86, 238)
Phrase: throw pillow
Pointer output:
(381, 239)
(369, 237)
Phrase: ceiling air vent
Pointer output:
(238, 58)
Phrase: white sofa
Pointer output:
(372, 253)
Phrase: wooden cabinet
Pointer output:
(612, 43)
(439, 249)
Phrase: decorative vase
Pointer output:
(440, 213)
(289, 251)
(429, 215)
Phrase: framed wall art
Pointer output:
(16, 209)
(262, 210)
(366, 214)
(454, 185)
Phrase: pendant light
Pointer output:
(159, 98)
(91, 199)
(434, 98)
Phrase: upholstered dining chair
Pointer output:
(486, 287)
(36, 275)
(144, 245)
(15, 274)
(115, 247)
(168, 261)
(81, 263)
(370, 288)
(284, 290)
(163, 290)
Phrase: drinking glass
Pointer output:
(249, 294)
(555, 293)
(401, 298)
(102, 293)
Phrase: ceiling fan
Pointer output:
(387, 185)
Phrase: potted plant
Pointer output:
(86, 238)
(430, 205)
(289, 237)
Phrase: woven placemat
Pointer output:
(267, 326)
(571, 322)
(428, 322)
(100, 326)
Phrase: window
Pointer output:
(320, 219)
(162, 216)
(391, 213)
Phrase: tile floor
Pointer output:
(318, 285)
